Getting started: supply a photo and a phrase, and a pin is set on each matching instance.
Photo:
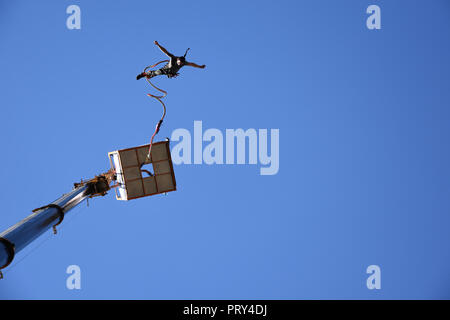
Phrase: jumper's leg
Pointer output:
(149, 74)
(141, 75)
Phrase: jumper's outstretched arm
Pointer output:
(191, 64)
(164, 49)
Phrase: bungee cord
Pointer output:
(157, 97)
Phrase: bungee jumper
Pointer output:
(171, 68)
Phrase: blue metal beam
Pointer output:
(23, 233)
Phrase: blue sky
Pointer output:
(363, 118)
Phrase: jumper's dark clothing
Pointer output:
(170, 69)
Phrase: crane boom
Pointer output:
(24, 232)
(126, 174)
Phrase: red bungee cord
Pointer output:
(158, 125)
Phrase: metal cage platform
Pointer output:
(133, 175)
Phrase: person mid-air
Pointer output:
(171, 68)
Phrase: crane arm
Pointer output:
(26, 231)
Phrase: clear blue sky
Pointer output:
(364, 148)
